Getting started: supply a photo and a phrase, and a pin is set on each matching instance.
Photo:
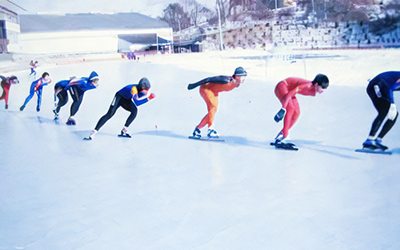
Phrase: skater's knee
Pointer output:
(392, 114)
(213, 109)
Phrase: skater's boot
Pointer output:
(124, 133)
(279, 137)
(37, 108)
(92, 134)
(55, 114)
(212, 134)
(22, 108)
(71, 121)
(197, 133)
(369, 144)
(378, 144)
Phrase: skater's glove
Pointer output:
(279, 116)
(152, 96)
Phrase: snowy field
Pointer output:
(160, 190)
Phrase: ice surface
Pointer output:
(160, 190)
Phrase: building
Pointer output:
(9, 27)
(92, 33)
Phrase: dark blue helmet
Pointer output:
(239, 71)
(93, 76)
(144, 83)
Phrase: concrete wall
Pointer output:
(324, 35)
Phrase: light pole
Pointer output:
(220, 27)
(180, 34)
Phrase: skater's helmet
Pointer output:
(144, 83)
(239, 71)
(93, 76)
(94, 79)
(14, 79)
(322, 80)
(45, 74)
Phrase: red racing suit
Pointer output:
(286, 91)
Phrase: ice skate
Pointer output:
(369, 144)
(279, 137)
(379, 145)
(124, 133)
(374, 147)
(71, 121)
(55, 114)
(196, 133)
(212, 134)
(90, 137)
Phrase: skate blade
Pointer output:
(373, 151)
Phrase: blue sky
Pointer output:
(148, 7)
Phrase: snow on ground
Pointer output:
(160, 190)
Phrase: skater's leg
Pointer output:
(39, 98)
(287, 121)
(28, 98)
(281, 90)
(110, 113)
(62, 100)
(388, 125)
(296, 112)
(212, 105)
(5, 93)
(77, 96)
(212, 110)
(4, 96)
(382, 106)
(128, 105)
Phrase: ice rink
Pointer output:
(160, 190)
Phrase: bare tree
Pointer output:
(336, 10)
(390, 20)
(175, 16)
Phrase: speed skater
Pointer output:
(5, 85)
(209, 90)
(61, 95)
(380, 90)
(129, 98)
(76, 87)
(33, 66)
(37, 87)
(286, 91)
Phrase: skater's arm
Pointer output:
(288, 96)
(142, 100)
(305, 88)
(396, 86)
(211, 80)
(46, 82)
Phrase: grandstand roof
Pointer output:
(89, 21)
